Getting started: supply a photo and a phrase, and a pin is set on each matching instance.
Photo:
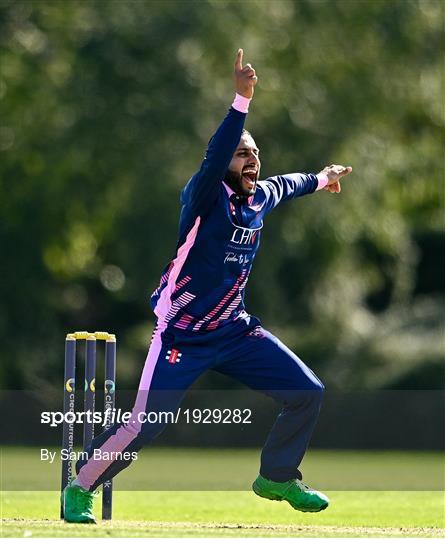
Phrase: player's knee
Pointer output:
(311, 394)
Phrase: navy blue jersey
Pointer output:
(203, 287)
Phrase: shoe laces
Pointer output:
(302, 485)
(83, 501)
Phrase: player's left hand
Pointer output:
(245, 77)
(334, 174)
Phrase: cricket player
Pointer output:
(202, 322)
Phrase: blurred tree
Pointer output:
(105, 113)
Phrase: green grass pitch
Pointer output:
(236, 513)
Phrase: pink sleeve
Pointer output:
(322, 180)
(241, 103)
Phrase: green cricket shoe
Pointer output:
(78, 504)
(297, 494)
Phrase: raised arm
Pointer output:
(201, 191)
(290, 186)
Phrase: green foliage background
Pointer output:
(106, 108)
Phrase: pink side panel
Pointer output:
(164, 303)
(91, 471)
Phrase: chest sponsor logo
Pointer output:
(244, 236)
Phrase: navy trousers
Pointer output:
(242, 350)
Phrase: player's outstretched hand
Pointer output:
(334, 174)
(245, 77)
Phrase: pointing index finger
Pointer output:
(239, 60)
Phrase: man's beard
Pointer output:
(235, 182)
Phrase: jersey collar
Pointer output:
(230, 192)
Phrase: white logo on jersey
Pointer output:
(244, 236)
(234, 257)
